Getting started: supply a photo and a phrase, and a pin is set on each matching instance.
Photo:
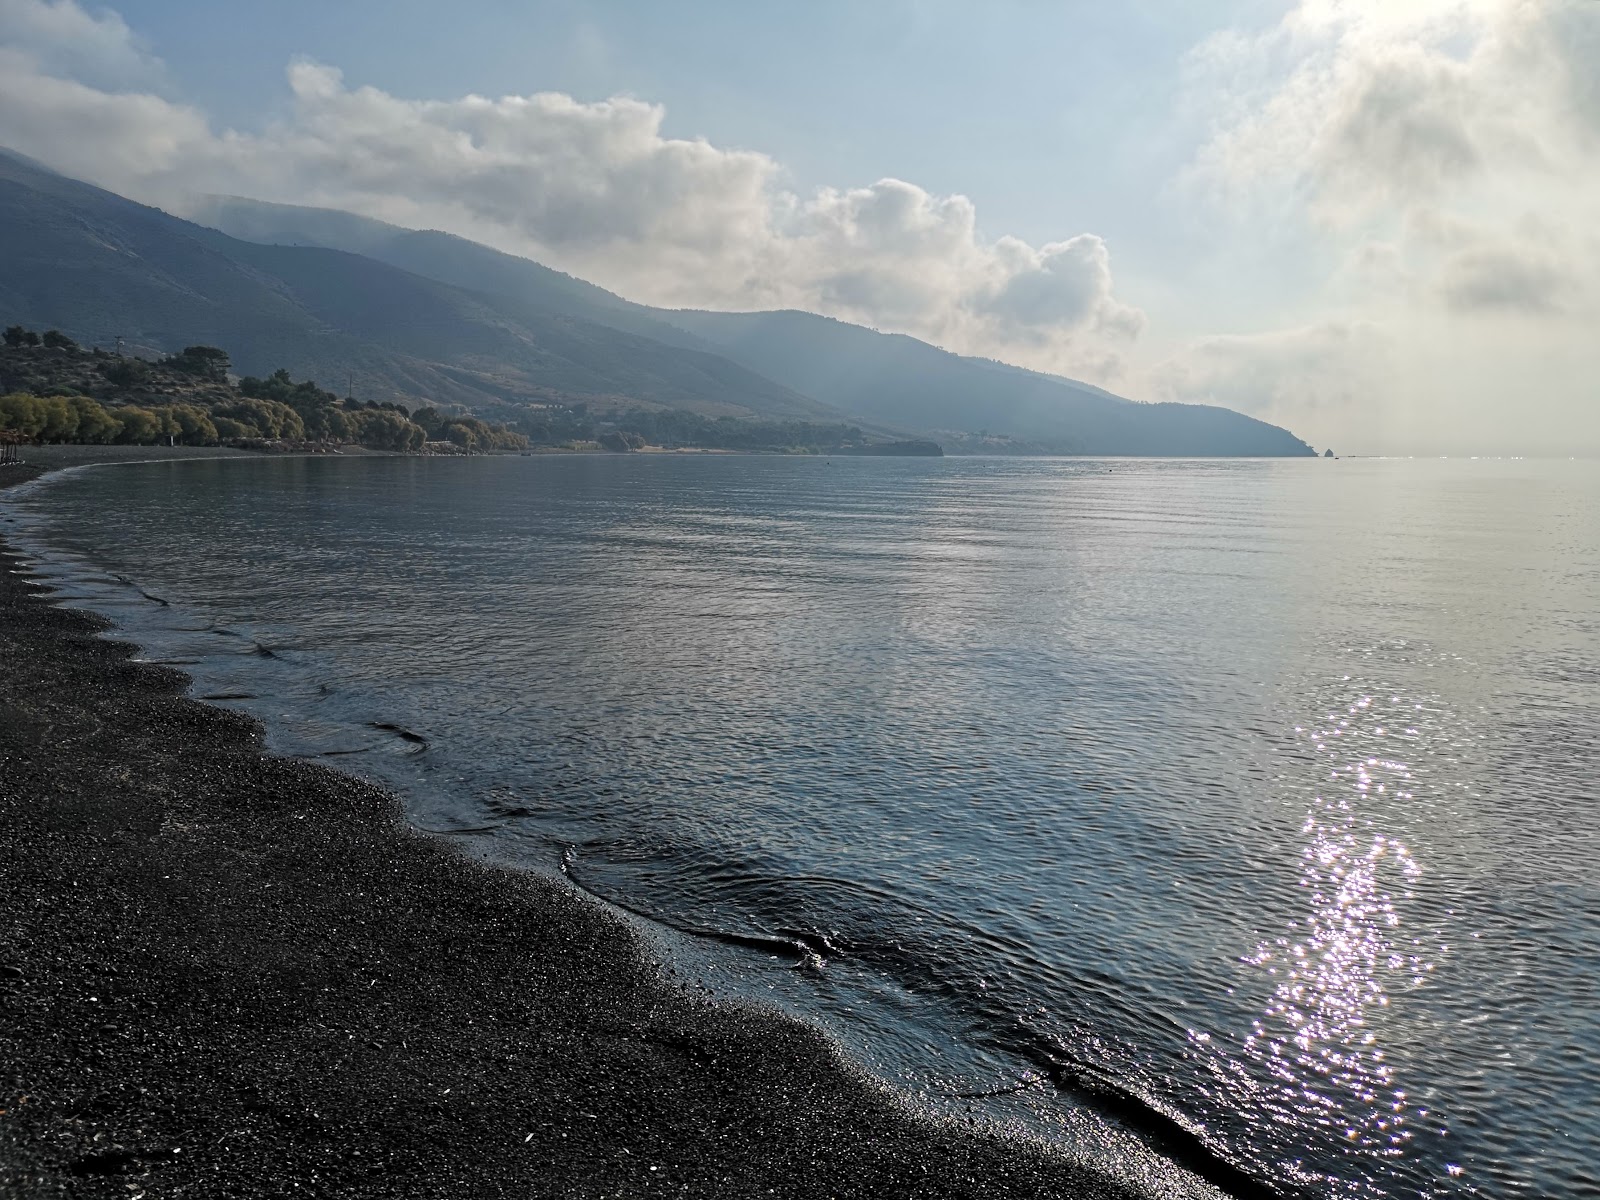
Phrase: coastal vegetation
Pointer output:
(53, 390)
(677, 429)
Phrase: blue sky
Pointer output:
(1050, 116)
(1365, 221)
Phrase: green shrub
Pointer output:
(95, 424)
(207, 362)
(22, 413)
(187, 424)
(227, 427)
(140, 426)
(126, 372)
(272, 417)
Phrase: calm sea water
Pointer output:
(1245, 810)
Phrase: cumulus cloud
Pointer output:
(59, 38)
(895, 255)
(1480, 108)
(597, 188)
(1062, 282)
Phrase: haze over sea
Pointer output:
(1255, 798)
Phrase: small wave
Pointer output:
(1168, 1133)
(809, 950)
(404, 734)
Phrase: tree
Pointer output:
(16, 336)
(428, 417)
(126, 372)
(54, 339)
(208, 362)
(140, 426)
(94, 423)
(227, 427)
(22, 413)
(620, 441)
(384, 430)
(60, 422)
(320, 411)
(273, 418)
(190, 425)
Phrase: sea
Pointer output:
(1242, 815)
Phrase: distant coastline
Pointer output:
(416, 319)
(53, 391)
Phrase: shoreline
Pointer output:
(231, 973)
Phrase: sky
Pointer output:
(1372, 223)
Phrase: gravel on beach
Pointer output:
(229, 974)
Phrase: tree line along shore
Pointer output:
(54, 391)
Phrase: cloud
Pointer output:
(57, 37)
(1063, 282)
(595, 188)
(545, 167)
(1439, 160)
(86, 132)
(1360, 110)
(1505, 278)
(1315, 377)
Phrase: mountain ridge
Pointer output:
(892, 380)
(100, 267)
(424, 316)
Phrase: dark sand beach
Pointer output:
(224, 973)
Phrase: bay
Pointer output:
(1241, 809)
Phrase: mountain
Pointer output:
(99, 267)
(887, 380)
(416, 315)
(898, 380)
(439, 256)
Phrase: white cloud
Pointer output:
(1484, 110)
(1063, 281)
(1404, 190)
(1505, 278)
(1318, 379)
(59, 38)
(597, 189)
(1445, 155)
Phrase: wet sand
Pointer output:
(224, 973)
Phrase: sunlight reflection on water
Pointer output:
(1318, 1053)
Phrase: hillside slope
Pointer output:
(441, 256)
(99, 267)
(887, 380)
(899, 380)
